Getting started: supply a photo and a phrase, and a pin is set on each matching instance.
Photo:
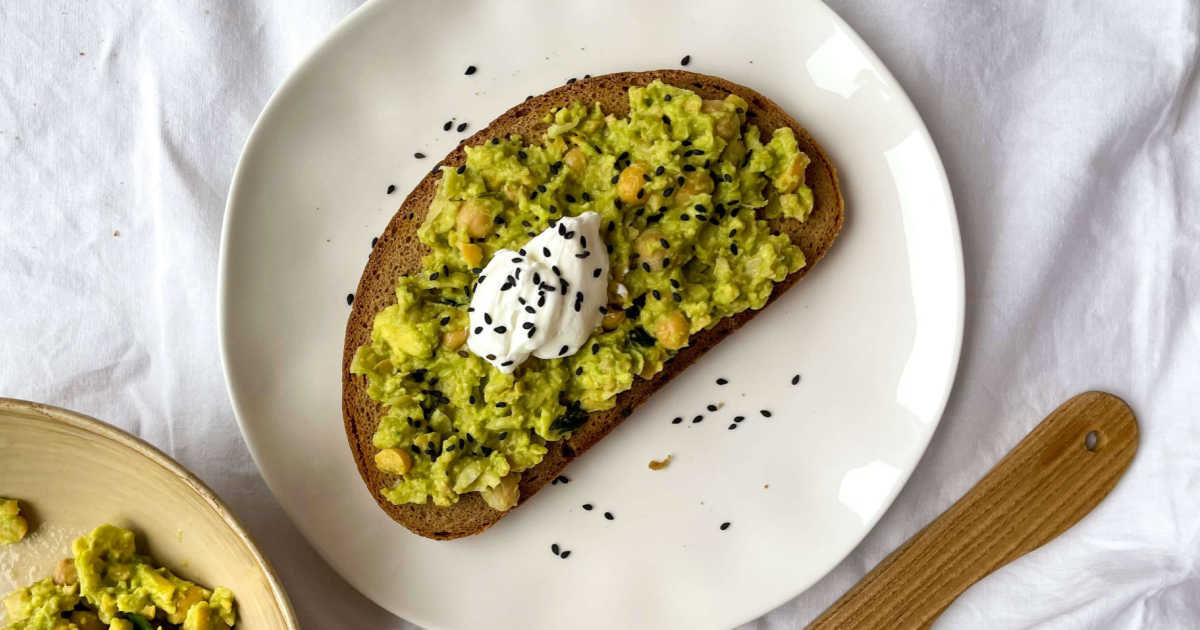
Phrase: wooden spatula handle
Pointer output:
(1055, 476)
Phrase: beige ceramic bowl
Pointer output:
(73, 473)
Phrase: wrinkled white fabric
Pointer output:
(1069, 131)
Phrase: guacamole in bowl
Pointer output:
(107, 585)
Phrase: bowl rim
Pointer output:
(103, 430)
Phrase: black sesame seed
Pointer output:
(796, 380)
(685, 217)
(614, 179)
(374, 241)
(765, 413)
(697, 419)
(722, 381)
(667, 98)
(587, 506)
(586, 197)
(732, 427)
(676, 420)
(349, 298)
(595, 348)
(733, 248)
(562, 479)
(666, 119)
(391, 188)
(500, 330)
(646, 266)
(657, 295)
(419, 155)
(565, 554)
(461, 127)
(470, 70)
(487, 318)
(571, 80)
(674, 283)
(521, 155)
(450, 123)
(688, 168)
(660, 170)
(668, 191)
(490, 357)
(504, 435)
(609, 516)
(478, 329)
(665, 243)
(462, 169)
(487, 450)
(596, 272)
(562, 350)
(415, 449)
(739, 418)
(445, 320)
(686, 60)
(579, 371)
(686, 143)
(501, 404)
(554, 549)
(494, 140)
(712, 407)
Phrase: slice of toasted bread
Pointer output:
(399, 252)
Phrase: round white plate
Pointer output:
(874, 331)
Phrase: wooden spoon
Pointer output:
(1054, 477)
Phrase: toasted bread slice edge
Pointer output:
(399, 252)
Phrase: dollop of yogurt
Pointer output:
(543, 300)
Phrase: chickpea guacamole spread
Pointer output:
(679, 191)
(13, 526)
(107, 585)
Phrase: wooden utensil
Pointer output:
(1054, 477)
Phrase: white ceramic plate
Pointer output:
(874, 330)
(73, 473)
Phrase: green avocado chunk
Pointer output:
(13, 526)
(684, 187)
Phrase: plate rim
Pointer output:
(104, 431)
(956, 291)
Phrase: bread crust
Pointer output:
(399, 252)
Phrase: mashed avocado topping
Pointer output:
(13, 526)
(107, 585)
(682, 187)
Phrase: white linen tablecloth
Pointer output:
(1069, 130)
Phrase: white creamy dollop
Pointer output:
(545, 299)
